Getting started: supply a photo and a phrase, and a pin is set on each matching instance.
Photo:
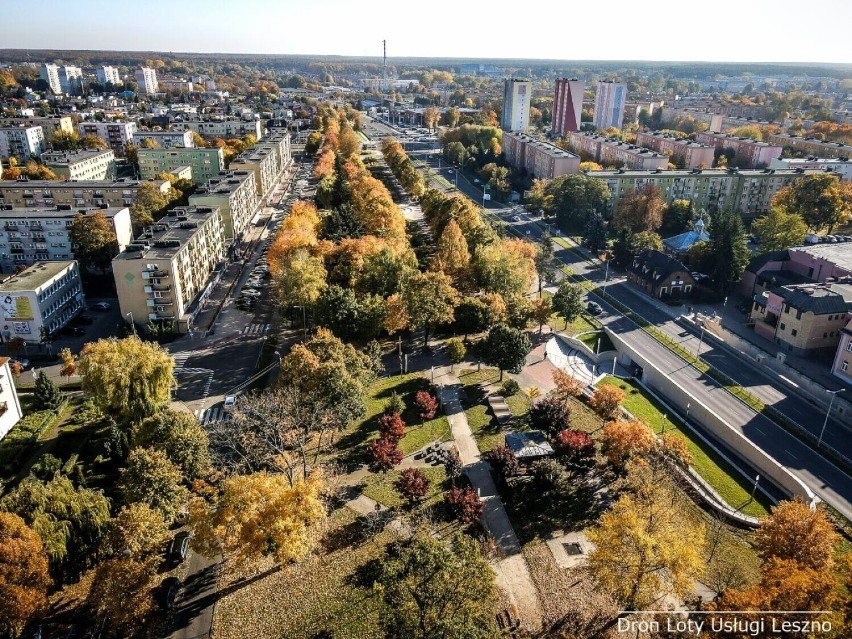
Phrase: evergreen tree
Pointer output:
(729, 249)
(46, 395)
(595, 235)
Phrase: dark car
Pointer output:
(594, 308)
(178, 548)
(167, 592)
(83, 320)
(71, 330)
(100, 306)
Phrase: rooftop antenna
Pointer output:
(384, 65)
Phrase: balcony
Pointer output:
(9, 226)
(160, 288)
(153, 274)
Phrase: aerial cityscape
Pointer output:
(319, 323)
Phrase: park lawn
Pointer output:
(485, 429)
(591, 340)
(319, 596)
(724, 478)
(379, 486)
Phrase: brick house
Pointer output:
(661, 275)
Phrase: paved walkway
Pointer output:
(513, 574)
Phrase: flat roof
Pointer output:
(705, 172)
(839, 254)
(225, 182)
(75, 184)
(71, 157)
(34, 276)
(165, 238)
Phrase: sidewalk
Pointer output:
(513, 574)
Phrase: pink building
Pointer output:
(614, 152)
(842, 367)
(818, 263)
(567, 105)
(539, 159)
(747, 152)
(686, 153)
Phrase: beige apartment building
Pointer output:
(50, 124)
(538, 158)
(614, 152)
(81, 165)
(230, 128)
(164, 275)
(713, 120)
(747, 153)
(685, 153)
(234, 193)
(279, 141)
(79, 195)
(117, 134)
(263, 162)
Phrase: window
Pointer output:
(782, 326)
(844, 366)
(824, 335)
(799, 315)
(849, 347)
(794, 332)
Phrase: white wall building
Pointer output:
(108, 75)
(609, 104)
(146, 78)
(516, 105)
(84, 164)
(116, 134)
(10, 407)
(166, 139)
(22, 142)
(50, 74)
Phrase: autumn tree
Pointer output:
(431, 115)
(147, 205)
(506, 348)
(431, 588)
(575, 446)
(606, 401)
(24, 578)
(301, 279)
(313, 142)
(426, 403)
(412, 485)
(179, 435)
(566, 385)
(92, 141)
(550, 415)
(391, 426)
(568, 302)
(137, 531)
(451, 255)
(396, 315)
(383, 454)
(127, 379)
(95, 240)
(640, 209)
(819, 199)
(258, 515)
(150, 478)
(622, 439)
(65, 141)
(644, 548)
(35, 171)
(796, 532)
(464, 504)
(503, 460)
(121, 595)
(429, 299)
(68, 367)
(779, 230)
(542, 309)
(506, 267)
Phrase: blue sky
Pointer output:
(724, 30)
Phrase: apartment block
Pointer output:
(279, 141)
(803, 318)
(108, 75)
(263, 163)
(684, 153)
(22, 142)
(811, 146)
(567, 105)
(41, 298)
(117, 134)
(172, 84)
(842, 367)
(748, 192)
(50, 74)
(205, 164)
(615, 152)
(84, 164)
(50, 125)
(28, 236)
(234, 193)
(747, 153)
(516, 105)
(10, 407)
(230, 128)
(64, 79)
(609, 104)
(166, 139)
(164, 275)
(671, 114)
(841, 166)
(538, 158)
(91, 194)
(146, 78)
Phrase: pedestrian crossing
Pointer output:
(180, 358)
(256, 329)
(213, 414)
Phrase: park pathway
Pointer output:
(513, 574)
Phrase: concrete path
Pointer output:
(513, 574)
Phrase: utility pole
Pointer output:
(384, 65)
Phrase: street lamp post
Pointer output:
(132, 323)
(688, 406)
(606, 273)
(828, 413)
(754, 488)
(700, 342)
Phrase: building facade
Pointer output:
(50, 74)
(841, 166)
(539, 159)
(84, 164)
(748, 154)
(146, 78)
(108, 75)
(164, 275)
(661, 275)
(234, 193)
(10, 407)
(609, 104)
(516, 105)
(41, 299)
(685, 153)
(22, 142)
(205, 164)
(117, 134)
(672, 114)
(567, 105)
(263, 162)
(50, 125)
(51, 193)
(28, 236)
(166, 139)
(811, 146)
(842, 366)
(611, 152)
(230, 128)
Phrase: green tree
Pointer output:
(568, 302)
(384, 272)
(506, 348)
(436, 589)
(546, 266)
(471, 316)
(127, 379)
(676, 218)
(456, 351)
(147, 206)
(137, 531)
(301, 280)
(46, 395)
(337, 309)
(700, 257)
(819, 199)
(150, 478)
(574, 198)
(95, 239)
(595, 234)
(24, 579)
(179, 435)
(779, 230)
(729, 249)
(429, 299)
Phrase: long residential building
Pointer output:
(146, 78)
(38, 235)
(84, 164)
(204, 163)
(748, 192)
(610, 99)
(50, 124)
(64, 79)
(540, 159)
(567, 105)
(42, 298)
(685, 153)
(841, 166)
(90, 194)
(117, 134)
(671, 114)
(231, 128)
(165, 274)
(263, 162)
(748, 154)
(234, 193)
(166, 139)
(278, 139)
(22, 142)
(811, 146)
(614, 152)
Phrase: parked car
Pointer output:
(178, 548)
(594, 308)
(229, 403)
(72, 330)
(100, 306)
(167, 592)
(84, 320)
